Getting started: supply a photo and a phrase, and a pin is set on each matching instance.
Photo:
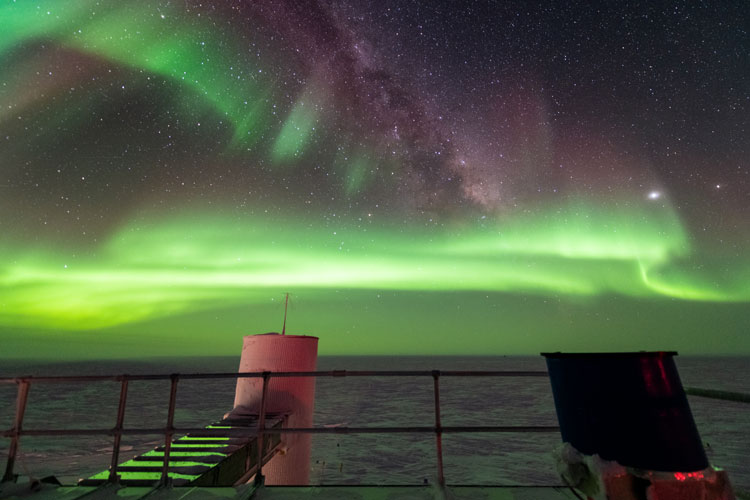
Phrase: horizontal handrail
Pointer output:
(25, 381)
(738, 397)
(169, 430)
(291, 430)
(415, 429)
(220, 375)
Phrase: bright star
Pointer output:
(654, 195)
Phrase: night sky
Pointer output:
(423, 176)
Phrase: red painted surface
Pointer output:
(278, 353)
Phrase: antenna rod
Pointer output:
(286, 304)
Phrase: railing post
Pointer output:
(113, 478)
(23, 394)
(169, 430)
(262, 427)
(438, 429)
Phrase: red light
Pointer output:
(655, 377)
(664, 377)
(682, 476)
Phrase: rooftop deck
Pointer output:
(223, 473)
(237, 449)
(250, 492)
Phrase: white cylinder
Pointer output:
(294, 395)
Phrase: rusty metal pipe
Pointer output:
(262, 427)
(118, 429)
(169, 429)
(438, 429)
(21, 398)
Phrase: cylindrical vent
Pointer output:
(294, 395)
(626, 407)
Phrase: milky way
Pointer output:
(542, 177)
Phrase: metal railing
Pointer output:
(169, 430)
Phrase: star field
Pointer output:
(161, 160)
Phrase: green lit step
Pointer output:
(175, 453)
(215, 456)
(227, 450)
(197, 456)
(139, 478)
(173, 463)
(214, 442)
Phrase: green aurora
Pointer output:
(138, 35)
(149, 37)
(579, 272)
(170, 269)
